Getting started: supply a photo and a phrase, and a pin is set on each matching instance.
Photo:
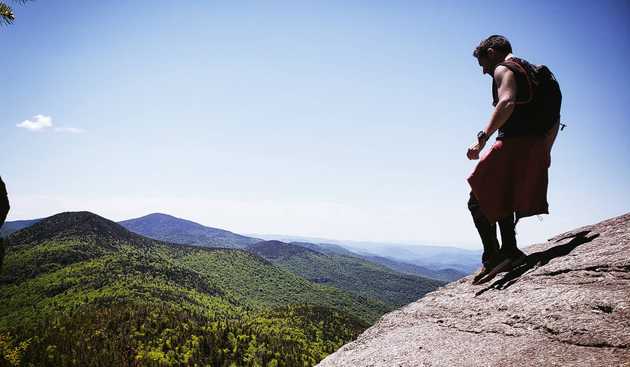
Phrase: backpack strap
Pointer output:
(529, 81)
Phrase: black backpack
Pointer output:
(545, 95)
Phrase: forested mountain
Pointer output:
(348, 273)
(439, 263)
(443, 274)
(435, 258)
(325, 263)
(168, 228)
(78, 289)
(171, 229)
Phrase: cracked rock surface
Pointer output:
(569, 305)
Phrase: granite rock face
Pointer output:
(569, 305)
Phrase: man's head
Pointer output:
(491, 52)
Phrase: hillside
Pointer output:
(348, 273)
(568, 305)
(171, 229)
(439, 273)
(327, 263)
(77, 289)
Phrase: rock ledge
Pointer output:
(568, 305)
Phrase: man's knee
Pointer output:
(473, 204)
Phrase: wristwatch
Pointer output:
(482, 136)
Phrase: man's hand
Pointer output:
(475, 149)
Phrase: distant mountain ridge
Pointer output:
(326, 248)
(349, 273)
(171, 229)
(446, 274)
(445, 264)
(319, 263)
(277, 250)
(436, 262)
(165, 227)
(441, 273)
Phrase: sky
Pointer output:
(345, 120)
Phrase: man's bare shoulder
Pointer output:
(502, 72)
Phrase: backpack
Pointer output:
(545, 96)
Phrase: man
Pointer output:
(4, 210)
(4, 202)
(510, 180)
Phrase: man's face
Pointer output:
(489, 61)
(487, 65)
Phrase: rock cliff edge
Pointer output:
(568, 305)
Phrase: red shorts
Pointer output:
(512, 177)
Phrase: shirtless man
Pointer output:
(510, 180)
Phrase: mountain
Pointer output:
(432, 257)
(326, 248)
(78, 289)
(435, 262)
(568, 305)
(443, 274)
(72, 225)
(349, 273)
(168, 228)
(447, 275)
(13, 226)
(327, 258)
(278, 251)
(436, 258)
(441, 263)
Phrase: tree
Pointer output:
(6, 13)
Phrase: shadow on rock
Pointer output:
(541, 258)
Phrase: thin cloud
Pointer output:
(37, 123)
(41, 123)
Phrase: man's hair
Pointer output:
(496, 42)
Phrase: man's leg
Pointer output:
(487, 232)
(508, 234)
(509, 249)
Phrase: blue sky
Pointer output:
(346, 120)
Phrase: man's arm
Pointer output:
(506, 88)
